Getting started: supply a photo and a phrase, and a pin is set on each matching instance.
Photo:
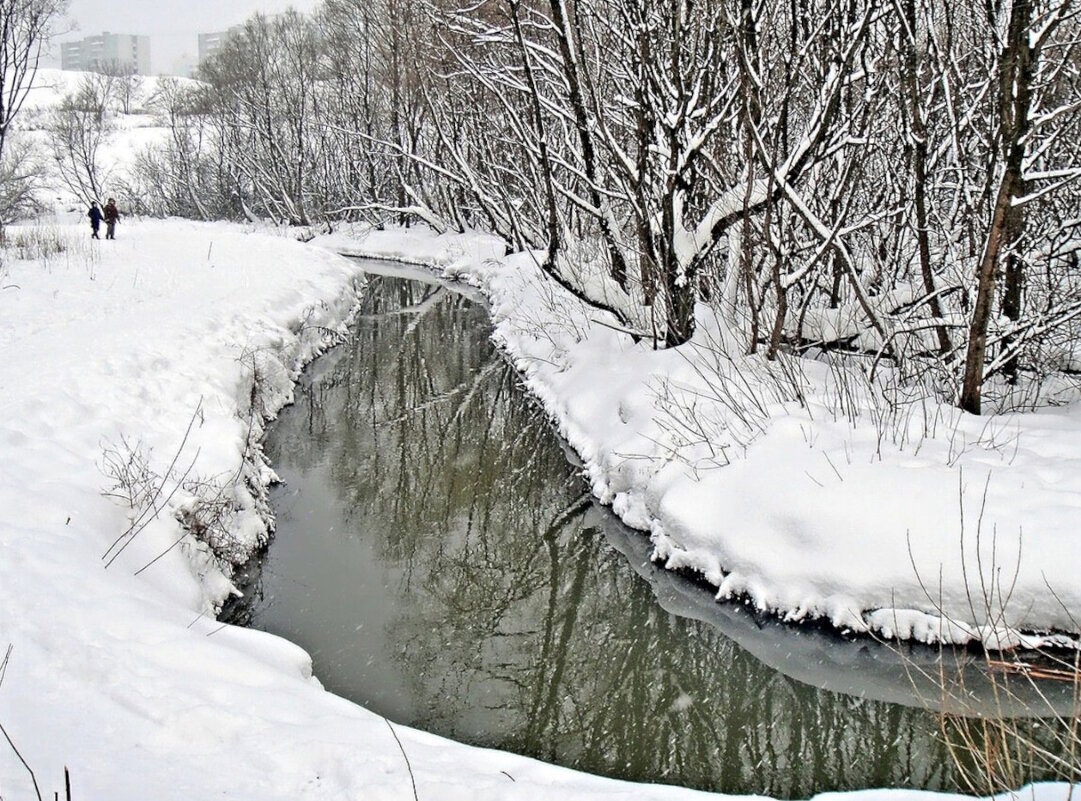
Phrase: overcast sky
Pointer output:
(172, 25)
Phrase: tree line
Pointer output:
(895, 179)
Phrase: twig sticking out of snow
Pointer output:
(409, 767)
(33, 778)
(150, 509)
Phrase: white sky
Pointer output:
(172, 25)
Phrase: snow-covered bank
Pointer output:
(125, 678)
(797, 486)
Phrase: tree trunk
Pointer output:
(574, 86)
(1016, 77)
(919, 169)
(680, 296)
(1013, 283)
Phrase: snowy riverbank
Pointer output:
(126, 679)
(797, 486)
(120, 674)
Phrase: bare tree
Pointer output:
(25, 27)
(24, 33)
(623, 117)
(896, 179)
(182, 176)
(263, 100)
(77, 131)
(20, 171)
(1024, 124)
(127, 83)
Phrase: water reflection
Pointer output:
(438, 557)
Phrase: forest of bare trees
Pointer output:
(894, 179)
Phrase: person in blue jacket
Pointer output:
(95, 219)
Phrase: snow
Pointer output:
(127, 679)
(52, 85)
(113, 350)
(899, 517)
(128, 135)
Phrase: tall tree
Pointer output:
(25, 29)
(1022, 30)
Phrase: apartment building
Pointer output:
(107, 51)
(211, 43)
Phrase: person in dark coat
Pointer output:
(95, 219)
(112, 217)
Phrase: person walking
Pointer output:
(95, 219)
(112, 217)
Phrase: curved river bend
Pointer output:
(439, 556)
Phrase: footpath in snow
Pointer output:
(112, 351)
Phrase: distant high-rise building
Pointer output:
(211, 43)
(183, 65)
(107, 51)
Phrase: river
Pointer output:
(439, 555)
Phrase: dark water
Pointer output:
(438, 555)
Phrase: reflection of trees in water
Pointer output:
(521, 629)
(648, 696)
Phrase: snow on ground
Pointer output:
(120, 673)
(905, 519)
(116, 348)
(124, 678)
(52, 85)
